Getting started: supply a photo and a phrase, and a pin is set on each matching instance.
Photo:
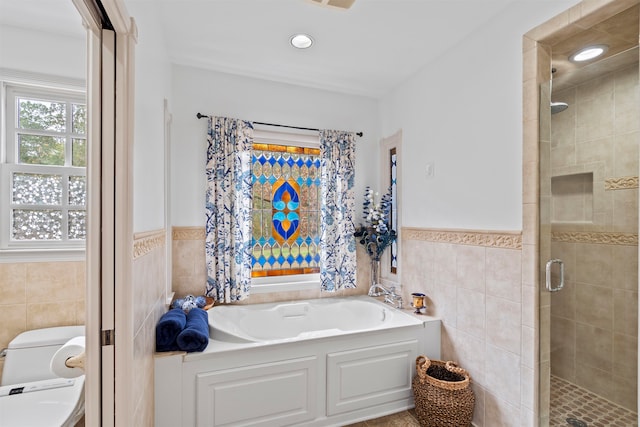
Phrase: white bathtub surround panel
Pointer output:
(334, 379)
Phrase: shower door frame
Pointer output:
(536, 71)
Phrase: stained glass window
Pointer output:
(286, 210)
(393, 215)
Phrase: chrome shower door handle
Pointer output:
(550, 263)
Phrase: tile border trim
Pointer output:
(146, 241)
(494, 239)
(491, 239)
(622, 183)
(603, 238)
(188, 233)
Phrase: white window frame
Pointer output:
(294, 282)
(48, 89)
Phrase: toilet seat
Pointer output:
(55, 402)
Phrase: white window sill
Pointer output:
(265, 285)
(42, 255)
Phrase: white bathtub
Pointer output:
(280, 322)
(326, 362)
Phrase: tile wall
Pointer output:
(190, 273)
(40, 295)
(149, 293)
(473, 282)
(594, 333)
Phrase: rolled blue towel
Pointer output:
(168, 328)
(195, 336)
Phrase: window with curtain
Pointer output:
(281, 204)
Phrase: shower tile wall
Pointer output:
(40, 295)
(594, 230)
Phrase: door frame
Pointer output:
(111, 37)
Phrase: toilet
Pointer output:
(32, 396)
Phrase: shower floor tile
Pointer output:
(571, 401)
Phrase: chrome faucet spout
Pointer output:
(390, 296)
(378, 290)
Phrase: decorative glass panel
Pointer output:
(41, 115)
(41, 150)
(286, 188)
(77, 190)
(36, 224)
(77, 225)
(393, 215)
(79, 124)
(79, 152)
(36, 189)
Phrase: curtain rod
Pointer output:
(201, 116)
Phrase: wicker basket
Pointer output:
(442, 394)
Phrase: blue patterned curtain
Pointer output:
(228, 209)
(337, 242)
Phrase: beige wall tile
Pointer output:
(563, 303)
(528, 387)
(625, 391)
(13, 318)
(478, 409)
(470, 312)
(502, 375)
(13, 278)
(625, 312)
(470, 355)
(625, 154)
(504, 273)
(500, 413)
(51, 281)
(594, 378)
(503, 324)
(470, 268)
(594, 264)
(625, 355)
(563, 348)
(595, 119)
(48, 314)
(594, 306)
(594, 349)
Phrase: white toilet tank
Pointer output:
(29, 354)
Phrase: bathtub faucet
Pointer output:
(390, 296)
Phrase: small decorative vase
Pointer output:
(375, 271)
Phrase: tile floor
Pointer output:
(572, 401)
(401, 419)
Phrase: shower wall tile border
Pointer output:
(145, 242)
(626, 239)
(492, 239)
(623, 183)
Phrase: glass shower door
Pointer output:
(589, 252)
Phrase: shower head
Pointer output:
(557, 107)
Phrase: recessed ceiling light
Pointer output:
(301, 41)
(588, 53)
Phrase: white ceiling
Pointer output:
(366, 50)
